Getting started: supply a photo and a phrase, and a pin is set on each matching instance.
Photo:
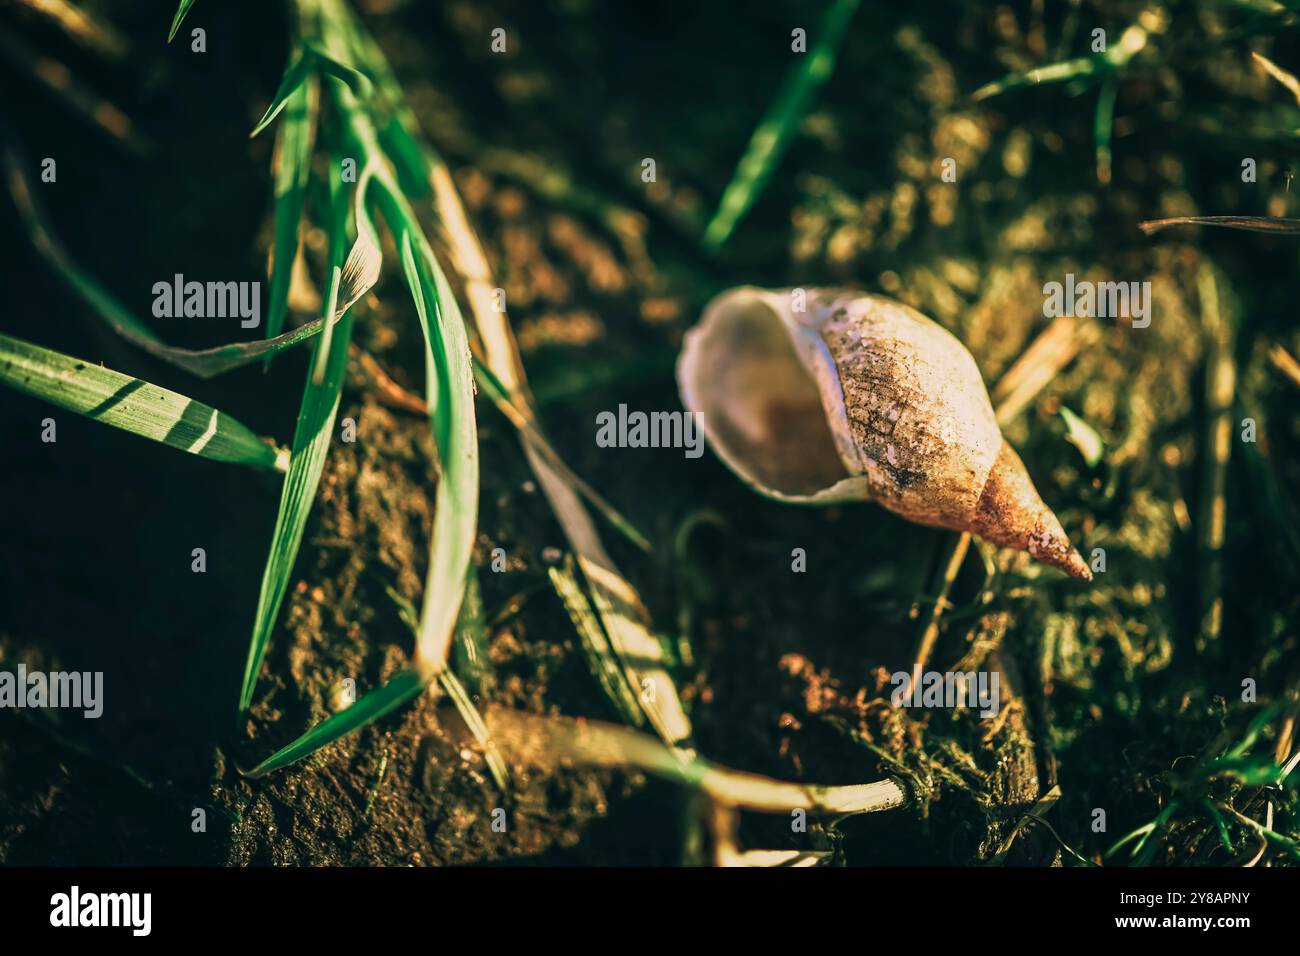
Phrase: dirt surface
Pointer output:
(784, 673)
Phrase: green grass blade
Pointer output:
(311, 442)
(204, 363)
(295, 75)
(181, 10)
(450, 387)
(306, 61)
(293, 167)
(778, 126)
(1116, 56)
(1103, 122)
(406, 686)
(130, 404)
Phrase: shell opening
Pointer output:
(763, 410)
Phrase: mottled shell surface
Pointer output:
(834, 395)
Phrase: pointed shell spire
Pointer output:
(856, 397)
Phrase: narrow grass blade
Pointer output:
(1103, 123)
(1082, 66)
(406, 686)
(600, 656)
(293, 167)
(311, 441)
(1115, 57)
(778, 126)
(474, 721)
(1285, 77)
(295, 75)
(130, 404)
(181, 10)
(204, 363)
(309, 59)
(1273, 224)
(450, 389)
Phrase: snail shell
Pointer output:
(861, 398)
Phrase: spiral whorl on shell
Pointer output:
(859, 397)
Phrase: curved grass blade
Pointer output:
(309, 59)
(181, 10)
(290, 83)
(778, 126)
(1115, 57)
(449, 383)
(204, 363)
(131, 404)
(1273, 224)
(311, 440)
(406, 686)
(292, 168)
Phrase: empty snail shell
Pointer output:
(856, 397)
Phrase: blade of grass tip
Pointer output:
(1273, 224)
(311, 441)
(181, 10)
(406, 686)
(295, 74)
(450, 390)
(773, 134)
(131, 404)
(204, 363)
(307, 60)
(600, 656)
(293, 148)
